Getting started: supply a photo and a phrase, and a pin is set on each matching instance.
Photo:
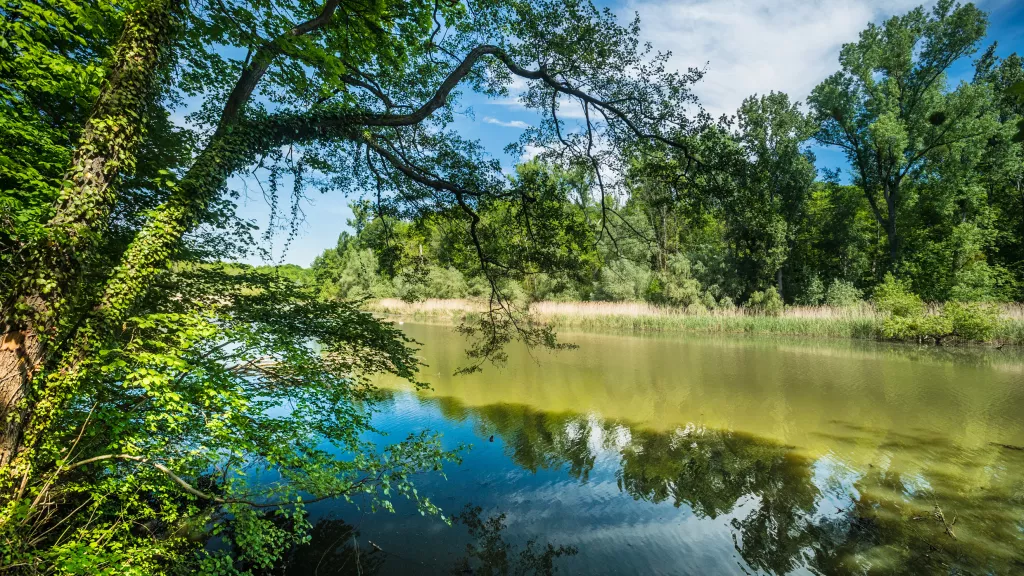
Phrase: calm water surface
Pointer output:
(703, 455)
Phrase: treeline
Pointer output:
(933, 196)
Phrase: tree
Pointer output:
(1003, 164)
(115, 338)
(889, 110)
(774, 185)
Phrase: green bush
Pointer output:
(677, 286)
(920, 328)
(446, 283)
(552, 287)
(410, 288)
(623, 279)
(972, 321)
(697, 309)
(814, 294)
(358, 278)
(708, 300)
(894, 297)
(768, 302)
(842, 294)
(479, 287)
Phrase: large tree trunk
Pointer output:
(892, 234)
(891, 203)
(20, 354)
(31, 319)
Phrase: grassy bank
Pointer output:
(638, 317)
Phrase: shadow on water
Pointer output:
(773, 509)
(335, 549)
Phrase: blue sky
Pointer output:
(747, 46)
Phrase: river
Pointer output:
(702, 455)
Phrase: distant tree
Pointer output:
(890, 111)
(774, 185)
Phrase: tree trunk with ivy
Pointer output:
(34, 314)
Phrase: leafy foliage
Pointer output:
(767, 302)
(841, 294)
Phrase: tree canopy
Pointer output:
(142, 383)
(149, 388)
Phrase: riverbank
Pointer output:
(861, 322)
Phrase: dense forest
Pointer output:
(165, 411)
(933, 194)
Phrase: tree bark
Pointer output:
(106, 150)
(892, 233)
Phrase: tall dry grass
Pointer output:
(860, 321)
(595, 309)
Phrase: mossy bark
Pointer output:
(32, 317)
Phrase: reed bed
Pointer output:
(861, 321)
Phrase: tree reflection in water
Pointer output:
(335, 549)
(489, 554)
(785, 511)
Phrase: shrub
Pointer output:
(919, 327)
(842, 294)
(696, 309)
(676, 286)
(894, 297)
(623, 279)
(972, 321)
(552, 287)
(767, 302)
(511, 290)
(814, 295)
(410, 287)
(446, 283)
(708, 300)
(726, 304)
(358, 277)
(479, 286)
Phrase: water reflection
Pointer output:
(786, 511)
(334, 549)
(713, 456)
(489, 554)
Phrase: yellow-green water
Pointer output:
(708, 455)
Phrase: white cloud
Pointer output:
(756, 46)
(508, 124)
(530, 152)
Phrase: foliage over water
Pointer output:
(707, 456)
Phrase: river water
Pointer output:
(702, 455)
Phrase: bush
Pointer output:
(768, 303)
(842, 294)
(726, 304)
(479, 287)
(920, 327)
(814, 295)
(972, 321)
(676, 286)
(623, 280)
(708, 300)
(512, 290)
(894, 297)
(410, 288)
(551, 287)
(446, 283)
(358, 277)
(697, 309)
